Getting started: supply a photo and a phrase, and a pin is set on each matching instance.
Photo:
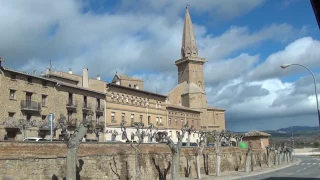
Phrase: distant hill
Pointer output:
(298, 131)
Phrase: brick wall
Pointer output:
(21, 160)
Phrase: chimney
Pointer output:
(85, 78)
(70, 70)
(48, 71)
(98, 77)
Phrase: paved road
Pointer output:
(307, 169)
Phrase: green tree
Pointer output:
(316, 145)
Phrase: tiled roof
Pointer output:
(125, 77)
(256, 133)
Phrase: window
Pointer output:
(12, 94)
(28, 97)
(157, 120)
(176, 121)
(169, 121)
(97, 119)
(123, 117)
(122, 98)
(117, 96)
(29, 80)
(129, 85)
(98, 104)
(84, 116)
(141, 118)
(69, 115)
(112, 116)
(11, 115)
(127, 99)
(29, 117)
(70, 99)
(43, 100)
(44, 83)
(13, 77)
(132, 117)
(182, 121)
(148, 120)
(159, 106)
(160, 120)
(112, 95)
(85, 101)
(43, 117)
(134, 86)
(192, 121)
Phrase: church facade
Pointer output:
(124, 100)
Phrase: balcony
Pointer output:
(72, 105)
(100, 108)
(159, 124)
(30, 106)
(86, 107)
(11, 123)
(72, 122)
(44, 125)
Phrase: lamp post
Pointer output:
(314, 81)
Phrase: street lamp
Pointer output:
(314, 81)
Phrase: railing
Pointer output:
(159, 124)
(30, 105)
(86, 106)
(11, 123)
(72, 122)
(100, 108)
(72, 104)
(44, 125)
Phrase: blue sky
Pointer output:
(244, 42)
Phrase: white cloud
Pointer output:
(145, 41)
(304, 50)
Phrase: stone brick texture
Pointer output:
(32, 160)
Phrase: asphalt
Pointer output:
(307, 169)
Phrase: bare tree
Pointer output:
(238, 138)
(141, 135)
(118, 174)
(198, 153)
(248, 157)
(162, 174)
(189, 131)
(152, 135)
(218, 136)
(268, 148)
(73, 142)
(175, 150)
(113, 133)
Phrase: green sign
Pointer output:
(243, 145)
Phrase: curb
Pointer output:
(268, 171)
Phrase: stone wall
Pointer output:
(22, 160)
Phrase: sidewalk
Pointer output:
(228, 175)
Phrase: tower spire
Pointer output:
(189, 45)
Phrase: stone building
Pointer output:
(27, 100)
(259, 140)
(125, 100)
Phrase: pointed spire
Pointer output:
(189, 45)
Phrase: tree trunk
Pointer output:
(188, 143)
(276, 159)
(218, 164)
(137, 164)
(175, 166)
(71, 163)
(73, 145)
(198, 166)
(247, 168)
